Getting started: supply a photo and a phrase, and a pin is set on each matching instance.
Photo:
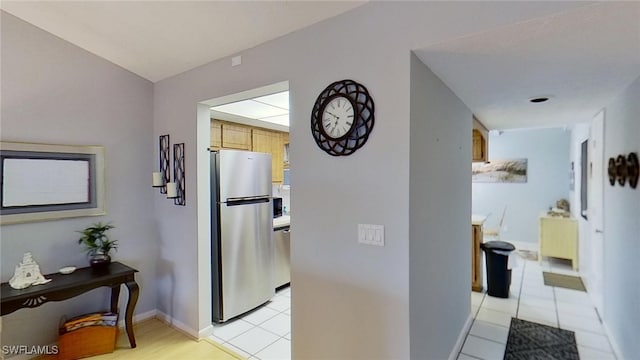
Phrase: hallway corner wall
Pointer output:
(622, 228)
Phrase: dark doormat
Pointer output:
(565, 281)
(531, 341)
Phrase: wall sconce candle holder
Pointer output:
(161, 178)
(179, 174)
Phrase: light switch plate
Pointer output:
(371, 234)
(236, 60)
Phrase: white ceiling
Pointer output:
(581, 58)
(273, 108)
(158, 39)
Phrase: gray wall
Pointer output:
(440, 213)
(353, 297)
(547, 152)
(54, 92)
(621, 279)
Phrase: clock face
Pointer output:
(338, 117)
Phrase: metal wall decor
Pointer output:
(633, 169)
(178, 174)
(624, 168)
(621, 169)
(162, 179)
(164, 162)
(612, 171)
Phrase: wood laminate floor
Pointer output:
(157, 340)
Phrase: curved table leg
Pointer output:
(115, 294)
(133, 288)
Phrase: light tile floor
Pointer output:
(530, 299)
(262, 334)
(265, 333)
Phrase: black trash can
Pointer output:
(498, 276)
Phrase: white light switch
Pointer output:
(236, 60)
(371, 234)
(362, 236)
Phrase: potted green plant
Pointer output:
(98, 245)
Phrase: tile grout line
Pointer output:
(524, 268)
(471, 356)
(484, 338)
(555, 304)
(469, 331)
(253, 326)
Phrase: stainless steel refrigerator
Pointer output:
(241, 230)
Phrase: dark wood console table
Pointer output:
(64, 287)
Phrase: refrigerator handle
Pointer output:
(247, 200)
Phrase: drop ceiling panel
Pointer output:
(280, 100)
(251, 109)
(280, 119)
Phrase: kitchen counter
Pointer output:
(478, 219)
(281, 221)
(476, 255)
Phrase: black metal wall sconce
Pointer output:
(178, 174)
(162, 179)
(624, 168)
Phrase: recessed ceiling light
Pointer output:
(539, 99)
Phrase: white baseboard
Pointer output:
(182, 327)
(463, 335)
(179, 325)
(612, 341)
(139, 317)
(206, 332)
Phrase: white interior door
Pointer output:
(596, 209)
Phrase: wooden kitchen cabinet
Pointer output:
(479, 141)
(559, 238)
(226, 135)
(268, 141)
(236, 136)
(216, 135)
(261, 140)
(476, 258)
(277, 156)
(479, 145)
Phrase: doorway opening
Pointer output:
(245, 236)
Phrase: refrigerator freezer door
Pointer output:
(243, 174)
(246, 257)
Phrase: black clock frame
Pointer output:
(362, 125)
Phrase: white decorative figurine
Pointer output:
(27, 273)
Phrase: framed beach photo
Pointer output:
(500, 171)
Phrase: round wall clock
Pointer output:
(342, 118)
